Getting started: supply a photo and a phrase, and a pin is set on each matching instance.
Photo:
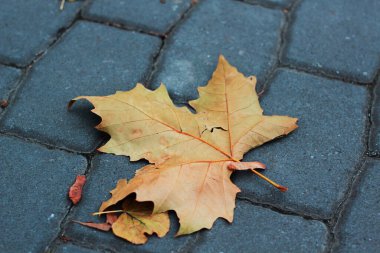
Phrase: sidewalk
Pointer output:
(318, 61)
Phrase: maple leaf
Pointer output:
(192, 156)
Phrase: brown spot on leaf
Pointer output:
(164, 141)
(136, 132)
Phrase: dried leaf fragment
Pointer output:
(138, 221)
(99, 226)
(75, 192)
(4, 104)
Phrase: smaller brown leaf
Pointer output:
(99, 226)
(138, 221)
(135, 228)
(75, 192)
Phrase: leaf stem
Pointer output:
(62, 5)
(280, 187)
(113, 211)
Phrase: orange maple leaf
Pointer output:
(192, 156)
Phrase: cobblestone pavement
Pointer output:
(315, 60)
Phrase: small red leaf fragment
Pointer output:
(99, 226)
(111, 218)
(75, 192)
(64, 239)
(3, 103)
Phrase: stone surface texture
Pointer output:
(192, 52)
(33, 185)
(251, 227)
(339, 40)
(28, 27)
(318, 61)
(360, 225)
(70, 248)
(8, 77)
(109, 60)
(328, 144)
(152, 16)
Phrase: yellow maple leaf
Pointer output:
(192, 156)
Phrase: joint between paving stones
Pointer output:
(156, 59)
(153, 65)
(325, 73)
(64, 220)
(278, 209)
(268, 5)
(371, 153)
(346, 200)
(287, 15)
(352, 184)
(27, 68)
(10, 64)
(43, 144)
(14, 90)
(284, 36)
(59, 34)
(125, 27)
(333, 223)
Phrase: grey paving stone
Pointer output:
(92, 59)
(340, 40)
(374, 140)
(282, 3)
(258, 229)
(360, 226)
(192, 53)
(150, 15)
(70, 248)
(8, 76)
(27, 27)
(107, 170)
(34, 182)
(315, 161)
